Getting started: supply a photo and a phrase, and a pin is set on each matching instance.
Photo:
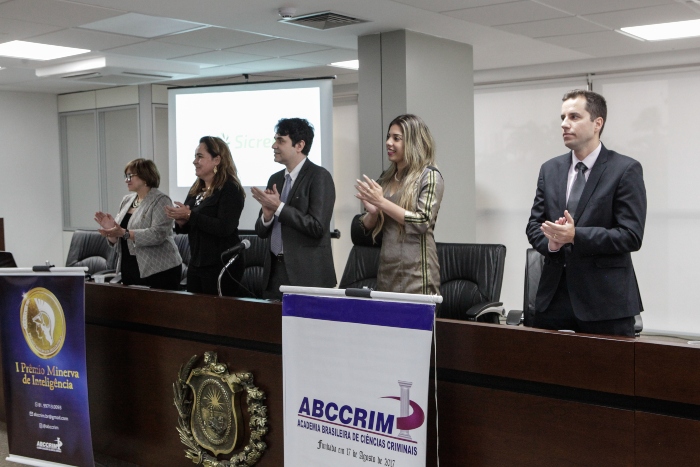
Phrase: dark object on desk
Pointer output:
(471, 276)
(7, 260)
(533, 270)
(89, 248)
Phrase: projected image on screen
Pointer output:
(246, 121)
(244, 115)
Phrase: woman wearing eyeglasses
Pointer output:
(210, 216)
(142, 233)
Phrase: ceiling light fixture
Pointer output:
(665, 31)
(36, 51)
(351, 64)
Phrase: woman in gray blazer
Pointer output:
(141, 232)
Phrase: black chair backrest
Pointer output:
(533, 270)
(361, 268)
(254, 263)
(89, 248)
(469, 274)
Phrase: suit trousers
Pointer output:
(559, 315)
(278, 276)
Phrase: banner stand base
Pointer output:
(36, 462)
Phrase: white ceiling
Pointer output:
(237, 37)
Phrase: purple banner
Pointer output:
(42, 324)
(354, 310)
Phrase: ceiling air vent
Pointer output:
(323, 20)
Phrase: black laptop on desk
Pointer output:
(7, 260)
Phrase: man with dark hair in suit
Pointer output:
(296, 214)
(587, 217)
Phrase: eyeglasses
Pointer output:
(127, 177)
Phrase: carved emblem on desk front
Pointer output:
(210, 417)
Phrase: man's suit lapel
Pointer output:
(592, 182)
(303, 173)
(562, 178)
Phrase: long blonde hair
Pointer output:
(226, 170)
(419, 153)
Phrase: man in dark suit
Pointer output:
(296, 214)
(587, 217)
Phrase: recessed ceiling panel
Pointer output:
(80, 37)
(134, 24)
(644, 16)
(643, 47)
(13, 29)
(507, 13)
(158, 49)
(553, 27)
(448, 5)
(215, 38)
(219, 57)
(594, 39)
(279, 48)
(324, 57)
(54, 12)
(580, 7)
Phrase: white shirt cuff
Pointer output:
(279, 209)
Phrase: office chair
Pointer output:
(254, 258)
(183, 246)
(533, 270)
(471, 277)
(89, 249)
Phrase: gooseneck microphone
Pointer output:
(244, 245)
(234, 251)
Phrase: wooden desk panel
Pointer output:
(587, 362)
(662, 441)
(130, 377)
(253, 320)
(507, 395)
(668, 371)
(486, 427)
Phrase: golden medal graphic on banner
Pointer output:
(211, 421)
(43, 322)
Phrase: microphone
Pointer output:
(244, 245)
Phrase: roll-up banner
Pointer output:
(42, 319)
(356, 378)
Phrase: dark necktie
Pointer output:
(577, 189)
(276, 238)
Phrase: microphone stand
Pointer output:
(230, 262)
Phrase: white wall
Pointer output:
(346, 169)
(30, 191)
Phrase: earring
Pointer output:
(216, 169)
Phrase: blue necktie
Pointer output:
(276, 238)
(577, 188)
